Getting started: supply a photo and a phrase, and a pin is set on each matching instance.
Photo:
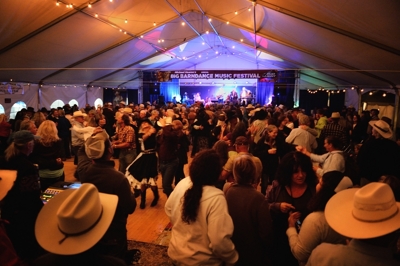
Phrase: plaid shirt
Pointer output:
(335, 130)
(127, 134)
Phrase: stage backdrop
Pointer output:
(189, 93)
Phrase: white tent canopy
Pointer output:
(332, 44)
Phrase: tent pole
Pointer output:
(359, 101)
(396, 110)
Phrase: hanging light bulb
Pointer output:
(207, 32)
(96, 15)
(227, 22)
(89, 5)
(236, 12)
(241, 40)
(384, 94)
(209, 20)
(57, 3)
(154, 23)
(126, 21)
(183, 23)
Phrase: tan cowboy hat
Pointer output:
(75, 220)
(7, 179)
(250, 106)
(382, 127)
(335, 115)
(127, 110)
(362, 213)
(79, 113)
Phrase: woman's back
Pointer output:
(206, 241)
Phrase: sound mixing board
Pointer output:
(57, 188)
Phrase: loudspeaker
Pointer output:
(161, 100)
(7, 100)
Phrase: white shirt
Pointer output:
(207, 241)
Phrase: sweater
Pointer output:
(207, 241)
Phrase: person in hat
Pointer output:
(142, 172)
(379, 155)
(242, 148)
(335, 129)
(118, 99)
(77, 138)
(96, 167)
(71, 225)
(8, 255)
(370, 216)
(22, 203)
(125, 141)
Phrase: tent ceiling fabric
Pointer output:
(333, 44)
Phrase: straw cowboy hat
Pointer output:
(382, 127)
(362, 213)
(335, 115)
(7, 179)
(75, 220)
(250, 106)
(79, 113)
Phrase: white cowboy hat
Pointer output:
(7, 179)
(382, 127)
(75, 220)
(95, 145)
(79, 113)
(362, 213)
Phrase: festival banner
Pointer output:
(11, 88)
(261, 75)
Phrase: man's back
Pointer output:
(355, 253)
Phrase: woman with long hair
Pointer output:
(315, 229)
(38, 118)
(266, 150)
(221, 147)
(291, 192)
(5, 131)
(200, 218)
(47, 154)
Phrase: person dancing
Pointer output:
(142, 172)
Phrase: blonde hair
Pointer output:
(38, 118)
(92, 122)
(48, 133)
(13, 150)
(3, 118)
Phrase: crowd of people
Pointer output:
(266, 185)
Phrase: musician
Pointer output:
(234, 96)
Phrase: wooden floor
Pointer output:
(143, 225)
